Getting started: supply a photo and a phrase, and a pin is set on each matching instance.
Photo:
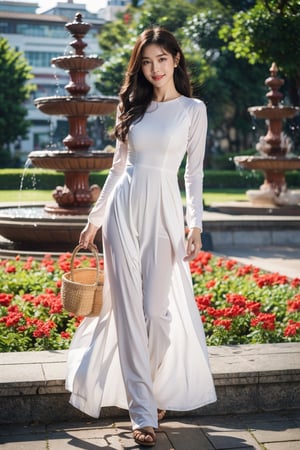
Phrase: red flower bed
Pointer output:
(238, 304)
(242, 304)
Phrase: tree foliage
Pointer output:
(237, 5)
(170, 14)
(226, 79)
(117, 38)
(268, 32)
(227, 86)
(14, 73)
(116, 41)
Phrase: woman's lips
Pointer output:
(157, 77)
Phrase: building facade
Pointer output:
(41, 37)
(113, 8)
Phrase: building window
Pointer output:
(3, 27)
(52, 31)
(40, 59)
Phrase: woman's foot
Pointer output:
(161, 414)
(145, 436)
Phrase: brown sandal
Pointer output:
(161, 413)
(146, 433)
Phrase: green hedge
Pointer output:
(242, 179)
(13, 179)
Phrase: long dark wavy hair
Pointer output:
(136, 92)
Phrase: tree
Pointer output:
(170, 14)
(117, 38)
(269, 32)
(116, 42)
(14, 90)
(227, 85)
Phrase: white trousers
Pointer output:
(140, 283)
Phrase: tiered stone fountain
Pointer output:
(77, 161)
(57, 225)
(275, 156)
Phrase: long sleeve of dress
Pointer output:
(194, 166)
(96, 216)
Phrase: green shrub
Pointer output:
(13, 179)
(233, 179)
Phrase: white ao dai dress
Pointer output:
(147, 349)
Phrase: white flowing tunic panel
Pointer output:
(139, 201)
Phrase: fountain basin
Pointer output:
(77, 62)
(268, 163)
(273, 112)
(64, 160)
(77, 106)
(273, 192)
(30, 227)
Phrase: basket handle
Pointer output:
(94, 250)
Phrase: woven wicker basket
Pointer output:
(82, 289)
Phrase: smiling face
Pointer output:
(158, 67)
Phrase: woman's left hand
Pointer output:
(194, 244)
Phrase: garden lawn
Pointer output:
(238, 304)
(28, 195)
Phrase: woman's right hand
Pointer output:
(88, 234)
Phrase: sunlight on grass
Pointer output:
(223, 196)
(29, 195)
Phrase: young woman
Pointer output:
(147, 352)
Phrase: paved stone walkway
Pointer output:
(263, 431)
(282, 259)
(258, 431)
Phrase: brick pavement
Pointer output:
(259, 431)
